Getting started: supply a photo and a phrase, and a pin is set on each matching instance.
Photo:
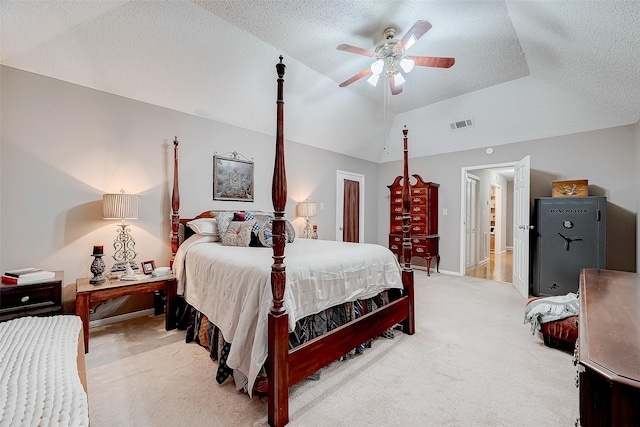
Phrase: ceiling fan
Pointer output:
(390, 56)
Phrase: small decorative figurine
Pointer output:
(97, 266)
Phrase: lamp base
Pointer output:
(307, 233)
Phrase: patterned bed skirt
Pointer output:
(205, 333)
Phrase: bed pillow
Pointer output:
(289, 231)
(238, 233)
(205, 227)
(223, 218)
(260, 218)
(265, 235)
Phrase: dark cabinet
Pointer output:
(424, 220)
(34, 299)
(570, 234)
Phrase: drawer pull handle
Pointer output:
(24, 298)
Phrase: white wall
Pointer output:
(607, 158)
(64, 145)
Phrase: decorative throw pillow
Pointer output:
(238, 233)
(240, 216)
(204, 226)
(289, 231)
(266, 233)
(223, 218)
(260, 218)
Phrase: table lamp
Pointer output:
(122, 206)
(306, 210)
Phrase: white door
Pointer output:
(521, 226)
(341, 177)
(470, 221)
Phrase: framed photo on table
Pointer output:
(148, 266)
(232, 179)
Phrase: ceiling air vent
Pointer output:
(461, 124)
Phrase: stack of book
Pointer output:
(26, 275)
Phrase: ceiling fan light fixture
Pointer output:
(398, 80)
(373, 80)
(412, 40)
(407, 64)
(376, 67)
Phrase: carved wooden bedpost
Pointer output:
(175, 205)
(407, 271)
(278, 404)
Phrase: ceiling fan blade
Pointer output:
(356, 50)
(394, 89)
(433, 61)
(358, 76)
(418, 30)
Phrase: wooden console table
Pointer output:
(608, 348)
(87, 293)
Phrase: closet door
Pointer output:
(341, 182)
(351, 211)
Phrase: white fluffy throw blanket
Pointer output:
(550, 309)
(39, 380)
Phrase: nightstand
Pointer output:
(87, 293)
(33, 299)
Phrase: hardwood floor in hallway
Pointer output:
(498, 268)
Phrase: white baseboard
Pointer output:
(121, 317)
(433, 270)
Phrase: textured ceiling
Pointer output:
(524, 69)
(310, 31)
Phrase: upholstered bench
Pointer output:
(559, 333)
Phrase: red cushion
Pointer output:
(565, 330)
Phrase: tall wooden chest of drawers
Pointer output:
(424, 220)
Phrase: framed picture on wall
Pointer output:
(232, 178)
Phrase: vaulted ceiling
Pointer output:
(523, 69)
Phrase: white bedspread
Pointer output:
(39, 373)
(232, 286)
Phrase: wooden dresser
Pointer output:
(608, 348)
(40, 298)
(424, 220)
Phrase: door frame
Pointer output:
(476, 256)
(463, 182)
(341, 176)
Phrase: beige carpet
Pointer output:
(472, 362)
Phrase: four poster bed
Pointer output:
(258, 304)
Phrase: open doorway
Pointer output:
(489, 212)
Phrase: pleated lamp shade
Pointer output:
(120, 206)
(306, 209)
